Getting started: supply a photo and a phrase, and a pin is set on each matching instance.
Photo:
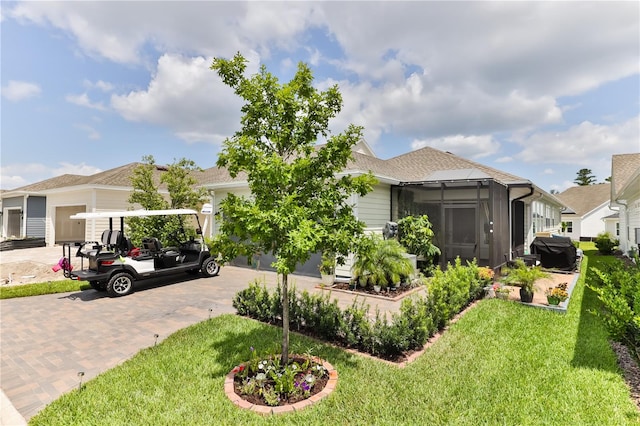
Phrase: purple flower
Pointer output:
(251, 348)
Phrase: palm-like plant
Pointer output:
(524, 276)
(380, 262)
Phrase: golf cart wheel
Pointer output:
(210, 268)
(98, 286)
(120, 284)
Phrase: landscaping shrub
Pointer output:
(416, 235)
(605, 243)
(419, 318)
(617, 287)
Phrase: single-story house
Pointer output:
(625, 196)
(588, 213)
(42, 209)
(476, 211)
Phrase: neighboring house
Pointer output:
(42, 209)
(588, 212)
(476, 211)
(625, 196)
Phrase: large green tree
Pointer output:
(585, 177)
(180, 183)
(299, 204)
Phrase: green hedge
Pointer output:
(618, 288)
(420, 317)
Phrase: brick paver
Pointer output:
(47, 340)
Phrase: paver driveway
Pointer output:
(47, 340)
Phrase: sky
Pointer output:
(536, 89)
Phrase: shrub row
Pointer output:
(617, 287)
(420, 317)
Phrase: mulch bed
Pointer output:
(387, 292)
(630, 370)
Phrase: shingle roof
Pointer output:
(623, 168)
(584, 199)
(416, 166)
(119, 177)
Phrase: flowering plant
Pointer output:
(501, 292)
(485, 274)
(264, 378)
(559, 292)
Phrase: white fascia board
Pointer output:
(225, 185)
(133, 213)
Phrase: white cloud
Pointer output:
(20, 90)
(548, 171)
(504, 159)
(585, 145)
(20, 174)
(82, 169)
(466, 146)
(84, 101)
(100, 85)
(188, 98)
(91, 132)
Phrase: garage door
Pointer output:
(68, 230)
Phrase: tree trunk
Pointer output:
(285, 320)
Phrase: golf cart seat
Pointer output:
(91, 248)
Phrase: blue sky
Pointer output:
(537, 89)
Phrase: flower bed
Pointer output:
(265, 386)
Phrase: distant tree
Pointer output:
(608, 179)
(554, 191)
(585, 177)
(182, 194)
(298, 204)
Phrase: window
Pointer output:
(570, 227)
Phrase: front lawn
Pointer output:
(37, 289)
(502, 363)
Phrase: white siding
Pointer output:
(220, 195)
(634, 223)
(374, 209)
(94, 200)
(593, 224)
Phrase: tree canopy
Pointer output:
(299, 202)
(182, 194)
(585, 177)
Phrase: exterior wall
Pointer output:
(94, 200)
(374, 209)
(218, 196)
(541, 217)
(36, 216)
(630, 226)
(575, 227)
(593, 223)
(611, 226)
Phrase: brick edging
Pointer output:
(289, 408)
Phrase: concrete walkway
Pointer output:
(47, 340)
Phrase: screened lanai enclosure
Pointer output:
(470, 217)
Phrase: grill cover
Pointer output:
(555, 252)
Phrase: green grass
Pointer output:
(502, 363)
(38, 289)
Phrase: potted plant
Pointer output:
(525, 277)
(380, 262)
(500, 291)
(328, 268)
(556, 295)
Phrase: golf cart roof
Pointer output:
(132, 213)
